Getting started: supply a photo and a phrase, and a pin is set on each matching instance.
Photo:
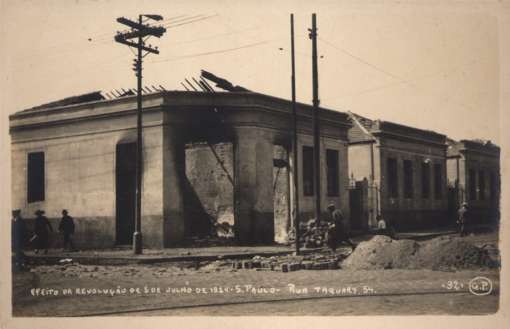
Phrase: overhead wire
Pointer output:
(211, 52)
(105, 38)
(201, 16)
(394, 76)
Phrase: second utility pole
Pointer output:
(315, 122)
(295, 175)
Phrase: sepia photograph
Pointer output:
(221, 158)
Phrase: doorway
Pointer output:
(281, 193)
(125, 183)
(209, 191)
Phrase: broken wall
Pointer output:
(209, 195)
(281, 193)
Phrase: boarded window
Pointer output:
(35, 177)
(472, 184)
(438, 181)
(408, 179)
(332, 168)
(392, 178)
(481, 185)
(308, 171)
(425, 180)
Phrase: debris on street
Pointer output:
(313, 234)
(447, 252)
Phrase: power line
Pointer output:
(193, 21)
(105, 38)
(168, 21)
(361, 60)
(212, 52)
(402, 80)
(217, 35)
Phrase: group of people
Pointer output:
(339, 232)
(41, 233)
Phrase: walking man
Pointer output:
(338, 231)
(42, 225)
(463, 214)
(66, 227)
(19, 230)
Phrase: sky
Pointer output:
(421, 64)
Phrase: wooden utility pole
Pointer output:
(139, 31)
(315, 121)
(294, 139)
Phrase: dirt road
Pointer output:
(157, 290)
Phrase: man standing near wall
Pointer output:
(42, 225)
(463, 214)
(338, 231)
(18, 238)
(66, 226)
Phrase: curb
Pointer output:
(127, 260)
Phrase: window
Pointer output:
(392, 178)
(332, 172)
(35, 177)
(493, 187)
(481, 185)
(408, 179)
(425, 180)
(472, 184)
(308, 171)
(438, 181)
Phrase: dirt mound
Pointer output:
(450, 252)
(381, 252)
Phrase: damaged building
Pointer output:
(398, 172)
(215, 163)
(474, 178)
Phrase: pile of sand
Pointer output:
(381, 252)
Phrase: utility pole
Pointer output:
(315, 121)
(294, 139)
(141, 32)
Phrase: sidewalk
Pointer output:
(125, 256)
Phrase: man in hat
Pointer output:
(41, 231)
(66, 227)
(463, 217)
(338, 231)
(19, 230)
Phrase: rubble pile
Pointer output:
(312, 235)
(316, 261)
(381, 252)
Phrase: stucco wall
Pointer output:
(307, 203)
(83, 139)
(416, 211)
(487, 209)
(80, 177)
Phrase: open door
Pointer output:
(125, 192)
